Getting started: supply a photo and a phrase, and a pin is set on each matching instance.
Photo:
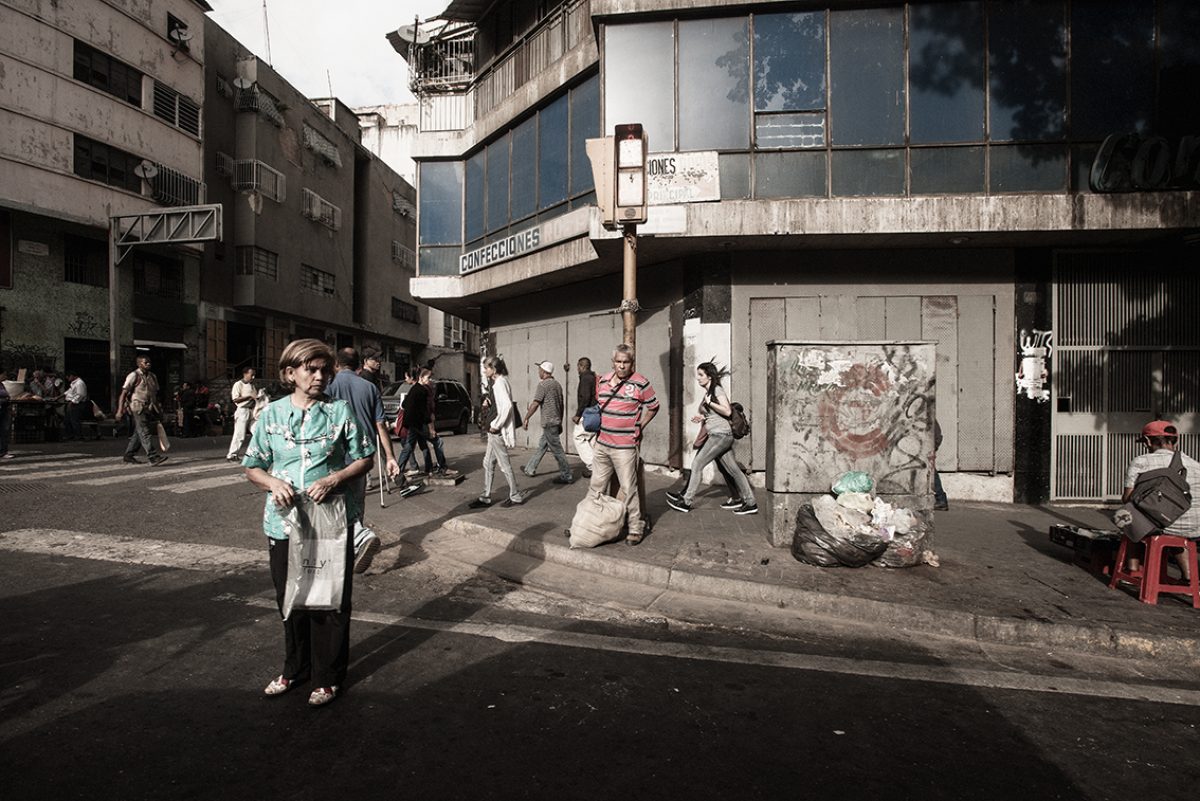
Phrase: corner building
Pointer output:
(1017, 181)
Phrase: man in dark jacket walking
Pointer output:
(585, 396)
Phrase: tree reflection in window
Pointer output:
(789, 80)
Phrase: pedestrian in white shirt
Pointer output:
(76, 398)
(243, 394)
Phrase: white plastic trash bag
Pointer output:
(598, 519)
(316, 554)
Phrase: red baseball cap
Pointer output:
(1159, 428)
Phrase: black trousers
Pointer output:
(315, 644)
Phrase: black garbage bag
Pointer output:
(814, 545)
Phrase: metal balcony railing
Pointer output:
(251, 175)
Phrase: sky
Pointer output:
(316, 43)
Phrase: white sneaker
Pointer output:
(364, 552)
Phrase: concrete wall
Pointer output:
(42, 106)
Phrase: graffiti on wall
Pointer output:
(16, 355)
(1033, 376)
(86, 326)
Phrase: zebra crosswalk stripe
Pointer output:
(151, 475)
(107, 465)
(201, 484)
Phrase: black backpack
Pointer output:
(1163, 495)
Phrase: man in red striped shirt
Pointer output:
(627, 405)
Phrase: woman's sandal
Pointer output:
(322, 696)
(278, 686)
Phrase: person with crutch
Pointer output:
(365, 402)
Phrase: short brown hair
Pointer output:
(301, 352)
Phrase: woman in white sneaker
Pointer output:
(502, 435)
(714, 411)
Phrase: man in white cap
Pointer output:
(549, 396)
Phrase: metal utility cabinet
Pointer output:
(839, 406)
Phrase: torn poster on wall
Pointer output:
(1032, 377)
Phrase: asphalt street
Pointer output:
(141, 629)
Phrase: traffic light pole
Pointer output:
(629, 304)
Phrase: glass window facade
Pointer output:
(946, 72)
(639, 81)
(441, 202)
(866, 77)
(1027, 71)
(497, 183)
(552, 158)
(964, 97)
(714, 84)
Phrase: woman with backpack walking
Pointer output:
(715, 412)
(501, 434)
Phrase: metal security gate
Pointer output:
(1126, 351)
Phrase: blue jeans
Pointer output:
(718, 447)
(414, 439)
(551, 441)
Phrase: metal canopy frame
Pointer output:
(174, 226)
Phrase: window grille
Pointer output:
(405, 312)
(157, 277)
(401, 205)
(318, 281)
(176, 109)
(251, 175)
(85, 261)
(321, 210)
(255, 99)
(315, 141)
(172, 188)
(253, 260)
(224, 165)
(403, 255)
(224, 88)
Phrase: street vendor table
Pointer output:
(37, 420)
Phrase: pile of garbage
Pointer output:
(853, 527)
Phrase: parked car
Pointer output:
(453, 404)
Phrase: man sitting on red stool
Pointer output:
(1162, 438)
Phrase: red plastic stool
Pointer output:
(1151, 578)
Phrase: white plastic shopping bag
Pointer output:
(316, 554)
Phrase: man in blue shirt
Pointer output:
(367, 407)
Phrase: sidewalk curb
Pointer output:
(1102, 640)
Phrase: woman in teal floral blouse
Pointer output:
(300, 444)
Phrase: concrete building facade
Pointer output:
(100, 115)
(389, 131)
(319, 233)
(1017, 182)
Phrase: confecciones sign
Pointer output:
(501, 250)
(1132, 163)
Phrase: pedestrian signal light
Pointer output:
(630, 179)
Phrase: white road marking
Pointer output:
(190, 556)
(20, 465)
(40, 461)
(203, 484)
(135, 550)
(152, 474)
(97, 466)
(938, 674)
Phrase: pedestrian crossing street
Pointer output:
(180, 475)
